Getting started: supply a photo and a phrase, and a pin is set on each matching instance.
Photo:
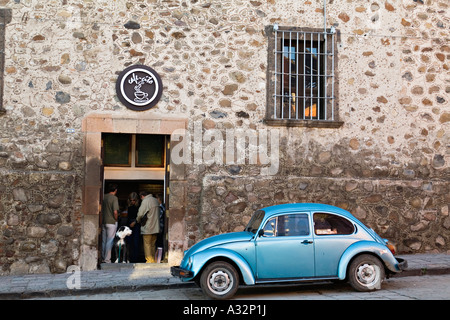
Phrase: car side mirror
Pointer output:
(261, 232)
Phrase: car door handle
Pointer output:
(307, 242)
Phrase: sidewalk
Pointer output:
(131, 277)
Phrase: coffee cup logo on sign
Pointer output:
(139, 87)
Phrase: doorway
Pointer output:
(137, 162)
(94, 126)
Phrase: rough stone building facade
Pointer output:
(384, 156)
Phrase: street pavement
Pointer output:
(113, 278)
(436, 287)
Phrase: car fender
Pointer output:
(379, 250)
(201, 258)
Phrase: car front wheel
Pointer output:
(366, 273)
(219, 280)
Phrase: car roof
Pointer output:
(306, 207)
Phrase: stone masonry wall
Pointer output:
(388, 164)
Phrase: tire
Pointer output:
(366, 273)
(219, 280)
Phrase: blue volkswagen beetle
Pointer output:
(291, 243)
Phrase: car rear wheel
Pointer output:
(219, 280)
(366, 273)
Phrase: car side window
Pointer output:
(270, 228)
(287, 226)
(326, 224)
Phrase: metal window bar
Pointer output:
(304, 76)
(282, 76)
(319, 104)
(290, 77)
(275, 77)
(311, 81)
(325, 37)
(291, 97)
(332, 77)
(296, 82)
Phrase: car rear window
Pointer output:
(329, 224)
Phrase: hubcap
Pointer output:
(367, 274)
(220, 282)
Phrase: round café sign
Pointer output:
(139, 87)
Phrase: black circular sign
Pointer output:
(139, 87)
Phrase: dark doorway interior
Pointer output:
(125, 187)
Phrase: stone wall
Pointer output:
(41, 227)
(388, 163)
(411, 213)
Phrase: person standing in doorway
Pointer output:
(150, 229)
(134, 239)
(110, 214)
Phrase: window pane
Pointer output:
(150, 150)
(287, 226)
(270, 227)
(255, 221)
(116, 149)
(293, 225)
(326, 224)
(311, 66)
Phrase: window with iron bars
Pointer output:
(302, 69)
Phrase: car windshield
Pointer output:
(255, 221)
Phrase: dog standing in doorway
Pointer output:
(121, 245)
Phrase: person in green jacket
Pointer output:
(110, 214)
(150, 229)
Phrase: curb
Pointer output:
(422, 272)
(92, 291)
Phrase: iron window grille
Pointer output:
(302, 77)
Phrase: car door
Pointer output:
(333, 234)
(286, 249)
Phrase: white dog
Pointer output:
(120, 244)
